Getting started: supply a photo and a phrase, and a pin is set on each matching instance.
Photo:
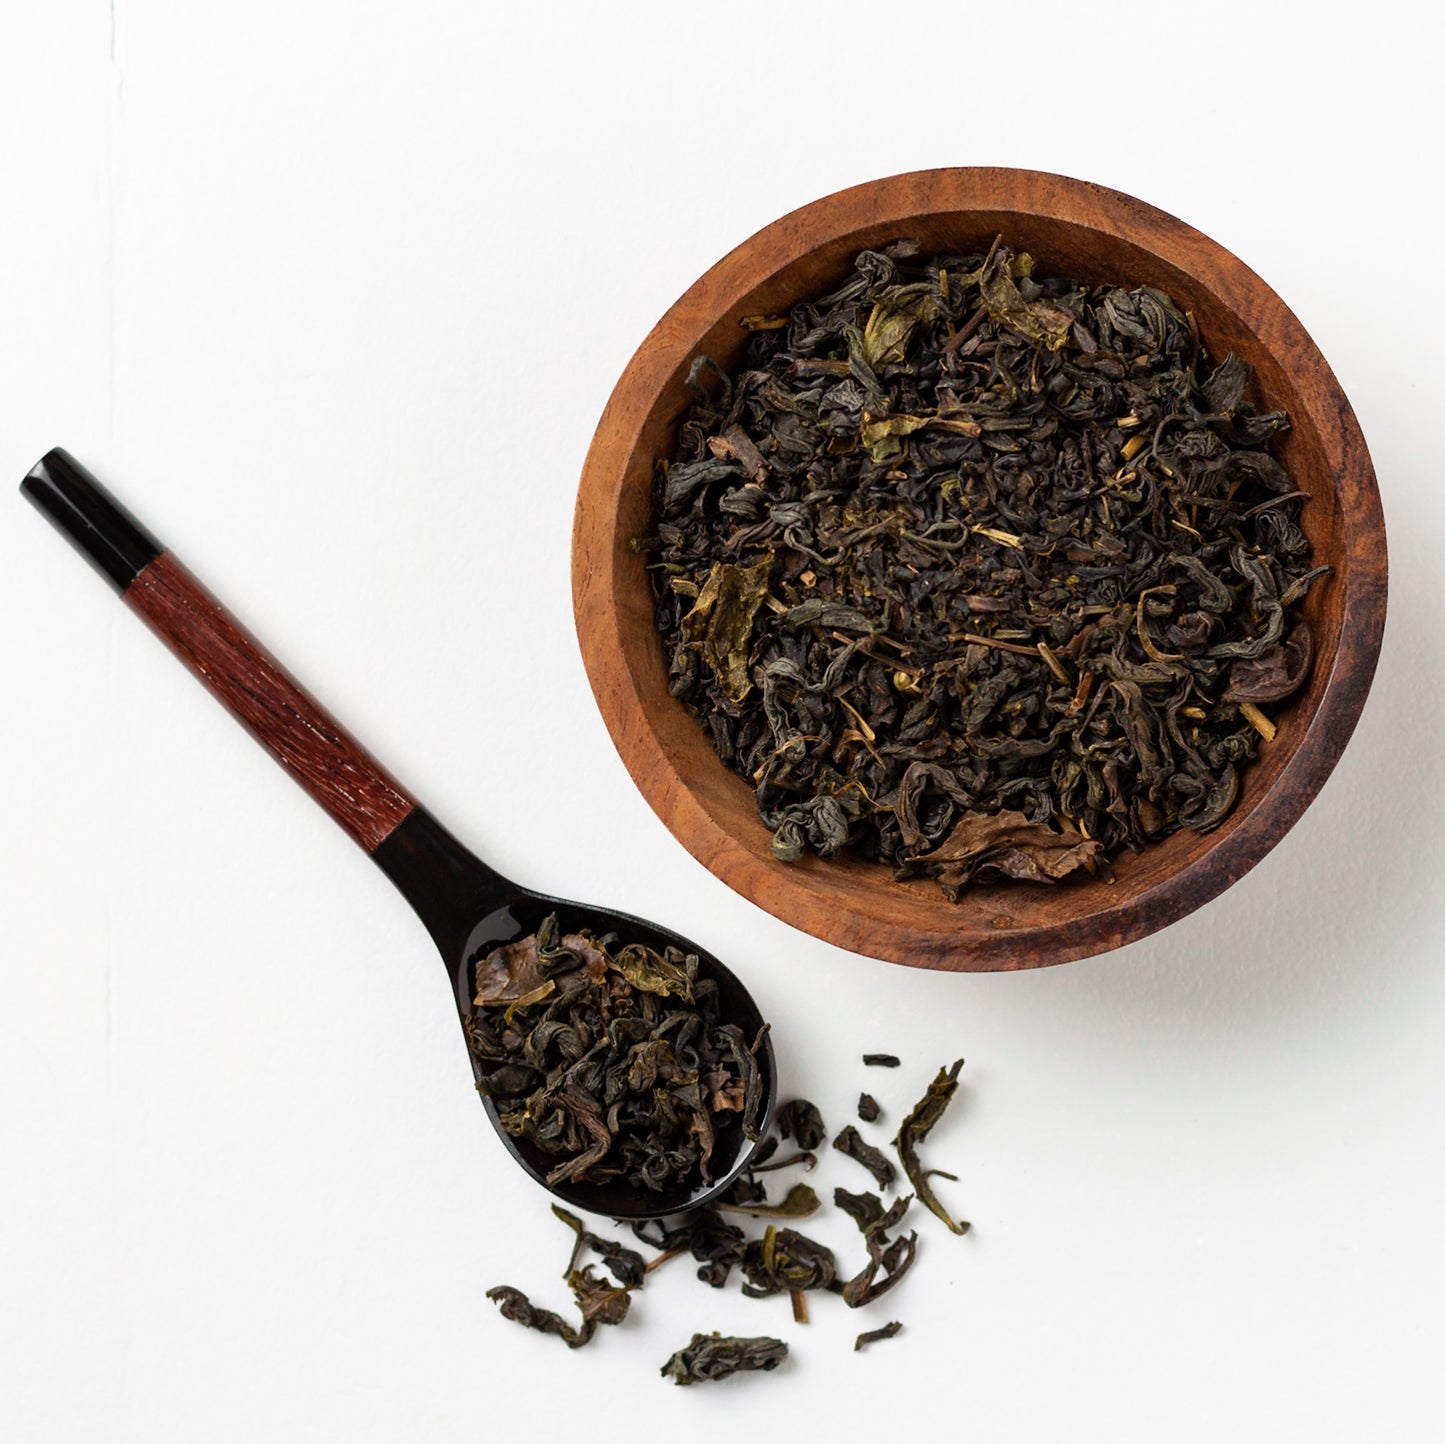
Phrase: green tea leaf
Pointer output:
(720, 624)
(896, 314)
(712, 1356)
(916, 1127)
(1038, 321)
(799, 1203)
(650, 972)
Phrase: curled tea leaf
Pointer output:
(852, 1145)
(516, 1306)
(916, 1127)
(710, 1357)
(1038, 321)
(598, 1301)
(784, 1261)
(1275, 673)
(626, 1264)
(888, 1258)
(800, 1120)
(895, 316)
(873, 1336)
(713, 1242)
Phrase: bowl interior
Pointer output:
(851, 901)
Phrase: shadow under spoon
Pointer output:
(467, 907)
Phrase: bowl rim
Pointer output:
(895, 200)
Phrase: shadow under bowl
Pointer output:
(1076, 229)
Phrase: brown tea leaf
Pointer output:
(508, 973)
(1009, 844)
(873, 1336)
(1275, 673)
(599, 1301)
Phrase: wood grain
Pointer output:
(281, 715)
(1076, 229)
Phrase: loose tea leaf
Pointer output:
(614, 1059)
(785, 1261)
(599, 1302)
(890, 1258)
(626, 1264)
(714, 1356)
(780, 1262)
(979, 572)
(888, 1331)
(852, 1144)
(868, 1109)
(515, 1306)
(879, 1060)
(801, 1200)
(916, 1127)
(721, 622)
(716, 1244)
(801, 1121)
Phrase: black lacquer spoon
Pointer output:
(467, 907)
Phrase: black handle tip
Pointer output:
(94, 522)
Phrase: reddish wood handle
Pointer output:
(280, 714)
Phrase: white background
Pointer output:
(333, 294)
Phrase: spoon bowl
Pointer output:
(616, 1197)
(466, 906)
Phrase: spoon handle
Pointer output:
(253, 686)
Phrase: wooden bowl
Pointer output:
(1075, 229)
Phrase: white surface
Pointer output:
(315, 287)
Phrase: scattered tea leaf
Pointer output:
(713, 1356)
(801, 1121)
(784, 1261)
(516, 1306)
(868, 1109)
(626, 1264)
(800, 1201)
(888, 1258)
(916, 1127)
(873, 1336)
(598, 1301)
(851, 1144)
(879, 1060)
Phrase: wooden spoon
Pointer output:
(467, 907)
